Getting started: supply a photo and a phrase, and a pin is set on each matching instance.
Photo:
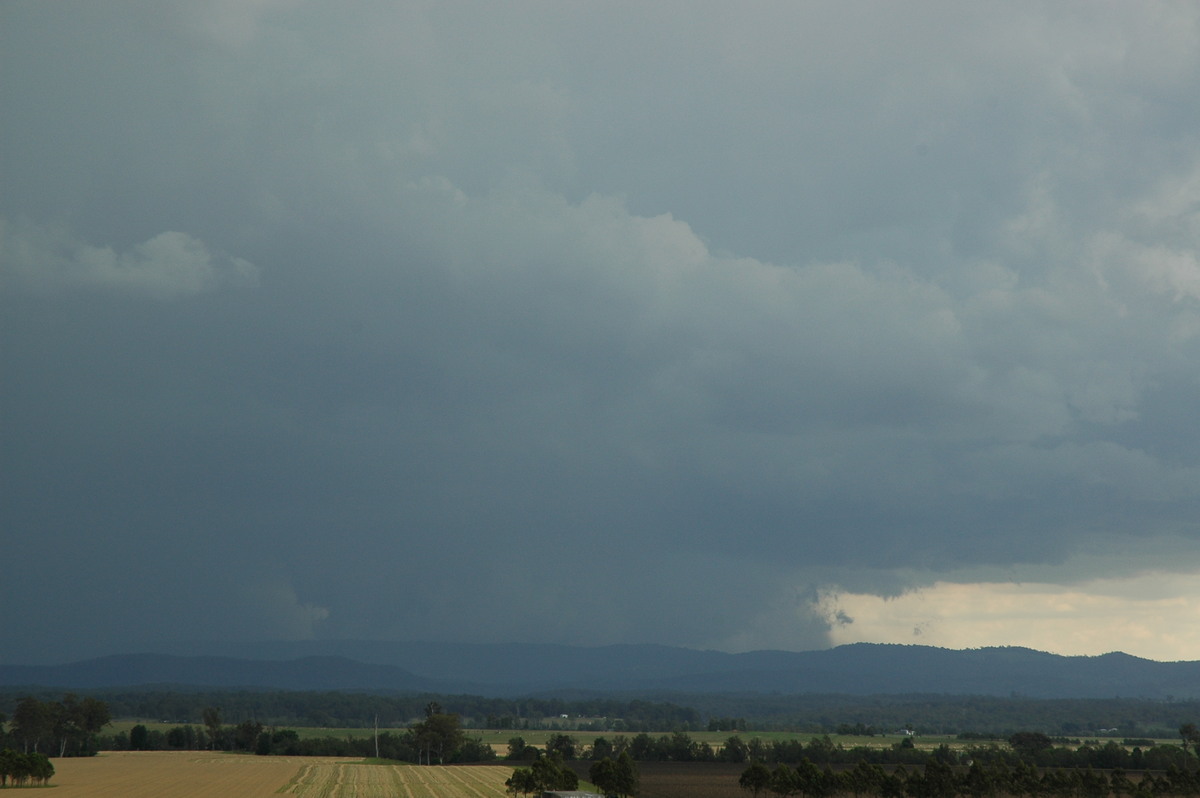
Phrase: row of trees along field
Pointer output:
(617, 777)
(978, 780)
(547, 773)
(437, 738)
(1023, 747)
(60, 728)
(1032, 748)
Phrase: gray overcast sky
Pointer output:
(696, 323)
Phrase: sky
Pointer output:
(719, 325)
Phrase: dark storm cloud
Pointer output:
(586, 324)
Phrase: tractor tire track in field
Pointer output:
(468, 784)
(403, 783)
(354, 780)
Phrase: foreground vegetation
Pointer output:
(854, 761)
(21, 769)
(939, 779)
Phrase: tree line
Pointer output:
(361, 710)
(950, 714)
(1030, 764)
(548, 772)
(38, 730)
(817, 714)
(437, 738)
(939, 779)
(68, 727)
(1028, 748)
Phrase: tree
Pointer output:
(940, 781)
(139, 738)
(245, 735)
(641, 746)
(1190, 735)
(734, 750)
(892, 784)
(521, 781)
(94, 715)
(1029, 744)
(864, 779)
(603, 773)
(628, 778)
(20, 768)
(41, 769)
(784, 781)
(755, 778)
(808, 779)
(87, 718)
(31, 721)
(64, 717)
(619, 777)
(475, 750)
(516, 748)
(978, 782)
(546, 774)
(602, 749)
(438, 735)
(562, 744)
(8, 765)
(212, 722)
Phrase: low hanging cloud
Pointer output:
(168, 266)
(273, 605)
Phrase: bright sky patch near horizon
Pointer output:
(705, 324)
(1153, 616)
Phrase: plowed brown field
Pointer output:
(200, 774)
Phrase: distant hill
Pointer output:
(514, 669)
(134, 670)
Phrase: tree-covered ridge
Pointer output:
(363, 709)
(647, 671)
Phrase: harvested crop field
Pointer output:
(201, 774)
(322, 778)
